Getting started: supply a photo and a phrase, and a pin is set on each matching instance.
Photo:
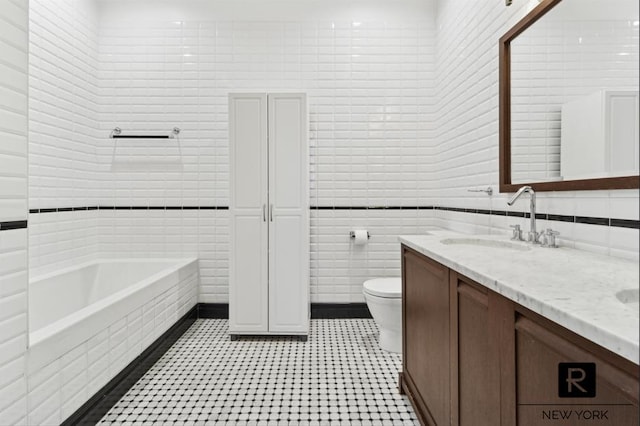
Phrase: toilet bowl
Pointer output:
(384, 299)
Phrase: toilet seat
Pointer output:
(389, 288)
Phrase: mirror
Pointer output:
(569, 75)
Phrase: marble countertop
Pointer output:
(573, 288)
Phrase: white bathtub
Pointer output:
(70, 306)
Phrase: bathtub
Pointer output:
(71, 307)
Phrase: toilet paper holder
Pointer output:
(352, 234)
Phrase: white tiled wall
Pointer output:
(13, 207)
(368, 85)
(339, 267)
(61, 239)
(368, 73)
(368, 76)
(63, 103)
(403, 111)
(467, 136)
(63, 130)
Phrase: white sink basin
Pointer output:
(481, 242)
(629, 297)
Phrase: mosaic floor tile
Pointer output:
(339, 376)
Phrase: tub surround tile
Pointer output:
(110, 391)
(573, 288)
(44, 398)
(85, 365)
(58, 338)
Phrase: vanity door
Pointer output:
(564, 379)
(475, 354)
(426, 328)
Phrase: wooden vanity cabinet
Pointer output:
(474, 357)
(425, 324)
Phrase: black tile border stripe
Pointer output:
(602, 221)
(13, 224)
(99, 404)
(372, 208)
(593, 220)
(619, 223)
(86, 208)
(625, 223)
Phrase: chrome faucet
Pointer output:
(533, 236)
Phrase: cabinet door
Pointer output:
(425, 321)
(288, 214)
(477, 388)
(548, 393)
(248, 279)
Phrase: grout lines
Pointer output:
(339, 376)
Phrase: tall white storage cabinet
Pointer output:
(269, 259)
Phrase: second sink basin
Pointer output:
(481, 242)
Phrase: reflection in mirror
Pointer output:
(574, 93)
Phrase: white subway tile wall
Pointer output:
(63, 130)
(466, 135)
(63, 107)
(339, 267)
(375, 136)
(13, 207)
(13, 110)
(171, 233)
(368, 76)
(368, 85)
(57, 240)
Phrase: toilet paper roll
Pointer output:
(361, 236)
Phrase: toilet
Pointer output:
(384, 299)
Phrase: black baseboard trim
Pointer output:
(339, 310)
(318, 310)
(213, 310)
(99, 404)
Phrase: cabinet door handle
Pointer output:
(264, 212)
(271, 212)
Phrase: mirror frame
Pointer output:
(621, 182)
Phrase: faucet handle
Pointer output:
(550, 238)
(516, 233)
